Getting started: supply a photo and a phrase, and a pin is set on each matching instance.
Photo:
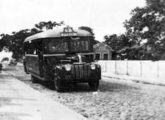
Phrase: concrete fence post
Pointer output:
(140, 68)
(105, 66)
(115, 67)
(157, 69)
(127, 68)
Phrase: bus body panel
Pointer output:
(32, 64)
(80, 72)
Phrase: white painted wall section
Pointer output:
(146, 71)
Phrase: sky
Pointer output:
(105, 17)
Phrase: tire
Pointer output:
(34, 79)
(94, 85)
(58, 85)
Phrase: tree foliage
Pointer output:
(47, 25)
(145, 33)
(87, 29)
(147, 27)
(15, 41)
(155, 2)
(90, 30)
(117, 42)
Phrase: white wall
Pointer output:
(121, 67)
(110, 67)
(148, 71)
(134, 68)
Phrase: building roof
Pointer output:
(58, 33)
(102, 45)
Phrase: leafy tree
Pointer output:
(120, 45)
(87, 29)
(34, 31)
(112, 41)
(155, 2)
(47, 25)
(90, 30)
(17, 42)
(145, 33)
(6, 40)
(117, 42)
(147, 27)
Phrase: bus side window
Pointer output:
(36, 47)
(28, 48)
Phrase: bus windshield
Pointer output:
(67, 44)
(56, 45)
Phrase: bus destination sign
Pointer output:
(68, 31)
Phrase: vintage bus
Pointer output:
(62, 56)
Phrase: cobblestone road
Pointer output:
(115, 100)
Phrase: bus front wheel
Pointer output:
(94, 85)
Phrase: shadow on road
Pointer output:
(115, 86)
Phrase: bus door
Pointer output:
(40, 61)
(34, 64)
(32, 61)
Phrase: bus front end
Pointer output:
(76, 69)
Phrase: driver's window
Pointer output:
(88, 58)
(83, 58)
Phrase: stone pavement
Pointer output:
(21, 102)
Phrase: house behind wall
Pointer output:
(102, 51)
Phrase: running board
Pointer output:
(41, 78)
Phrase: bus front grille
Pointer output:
(81, 71)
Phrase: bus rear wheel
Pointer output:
(94, 85)
(58, 85)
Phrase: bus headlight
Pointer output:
(68, 67)
(93, 66)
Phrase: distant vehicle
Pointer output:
(62, 56)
